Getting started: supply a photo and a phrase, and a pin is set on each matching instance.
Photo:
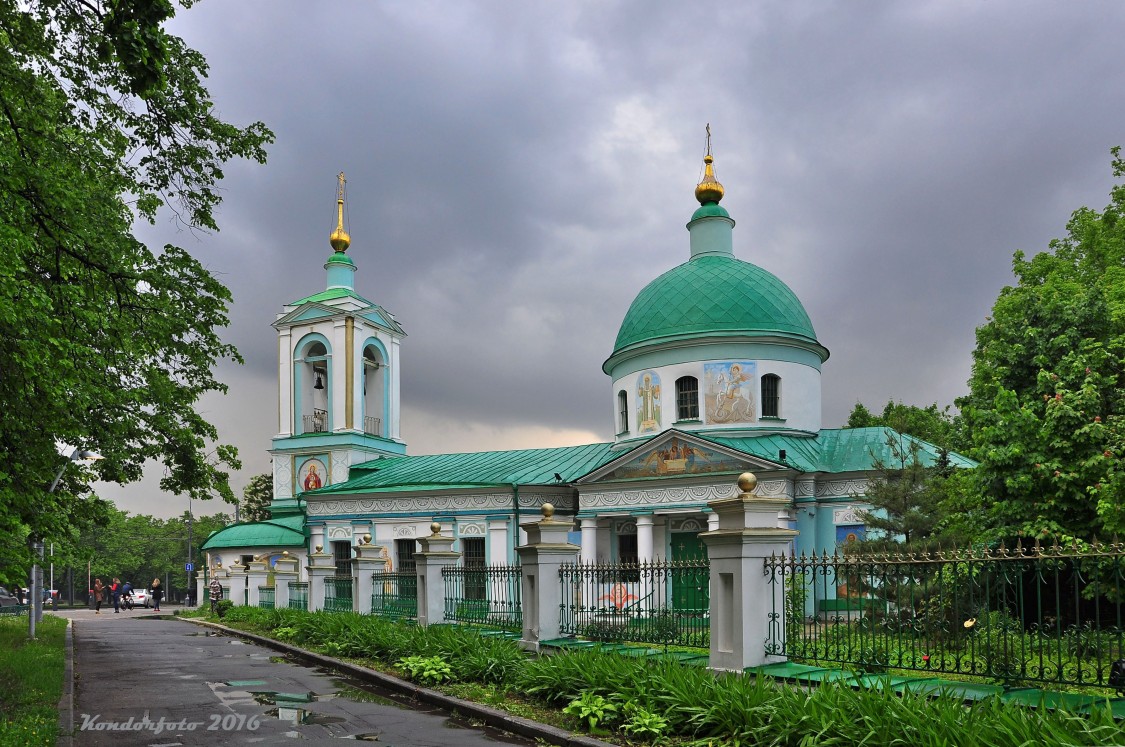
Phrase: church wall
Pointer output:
(800, 398)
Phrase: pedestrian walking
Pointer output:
(115, 594)
(156, 591)
(216, 589)
(99, 596)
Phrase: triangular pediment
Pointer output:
(307, 312)
(677, 454)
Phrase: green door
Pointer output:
(690, 585)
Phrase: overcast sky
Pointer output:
(517, 172)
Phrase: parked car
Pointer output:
(140, 598)
(7, 599)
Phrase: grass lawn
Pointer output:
(31, 680)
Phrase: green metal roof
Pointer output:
(331, 294)
(479, 469)
(834, 450)
(287, 531)
(711, 295)
(839, 449)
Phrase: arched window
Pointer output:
(622, 412)
(374, 391)
(312, 385)
(771, 396)
(687, 398)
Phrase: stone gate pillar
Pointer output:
(256, 574)
(540, 558)
(321, 566)
(436, 553)
(367, 561)
(284, 571)
(743, 597)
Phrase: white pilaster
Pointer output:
(339, 375)
(285, 382)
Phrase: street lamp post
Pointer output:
(35, 614)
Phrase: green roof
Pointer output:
(479, 469)
(715, 295)
(331, 294)
(839, 449)
(287, 531)
(834, 450)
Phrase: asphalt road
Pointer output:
(143, 678)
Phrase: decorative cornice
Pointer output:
(409, 504)
(837, 488)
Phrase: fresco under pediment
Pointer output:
(676, 457)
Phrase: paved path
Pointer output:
(196, 687)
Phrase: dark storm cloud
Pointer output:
(518, 172)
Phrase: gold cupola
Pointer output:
(339, 238)
(709, 191)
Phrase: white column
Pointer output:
(589, 540)
(712, 521)
(644, 538)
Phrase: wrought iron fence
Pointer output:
(338, 594)
(265, 597)
(484, 595)
(394, 594)
(298, 595)
(1037, 614)
(665, 602)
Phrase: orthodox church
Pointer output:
(716, 371)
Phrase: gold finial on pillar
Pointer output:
(435, 529)
(339, 239)
(709, 190)
(746, 483)
(548, 510)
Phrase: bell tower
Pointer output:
(338, 376)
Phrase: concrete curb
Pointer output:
(66, 702)
(491, 716)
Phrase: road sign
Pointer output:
(189, 567)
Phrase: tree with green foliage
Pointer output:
(928, 423)
(905, 494)
(913, 498)
(256, 498)
(108, 343)
(1046, 403)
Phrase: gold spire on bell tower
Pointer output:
(709, 190)
(339, 238)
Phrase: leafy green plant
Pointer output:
(334, 648)
(591, 708)
(223, 607)
(285, 634)
(429, 670)
(642, 723)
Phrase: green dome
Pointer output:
(715, 296)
